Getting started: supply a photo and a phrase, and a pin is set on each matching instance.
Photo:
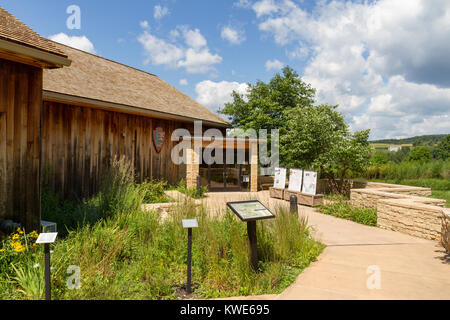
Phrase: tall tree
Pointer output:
(265, 105)
(443, 148)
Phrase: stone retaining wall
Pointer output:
(403, 215)
(405, 209)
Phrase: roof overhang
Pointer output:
(110, 106)
(32, 56)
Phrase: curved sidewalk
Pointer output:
(409, 267)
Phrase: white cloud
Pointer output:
(242, 4)
(199, 61)
(194, 38)
(265, 7)
(159, 12)
(160, 52)
(385, 62)
(274, 65)
(195, 57)
(81, 43)
(215, 94)
(183, 82)
(232, 35)
(144, 24)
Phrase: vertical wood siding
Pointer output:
(78, 143)
(20, 106)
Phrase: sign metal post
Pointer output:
(189, 224)
(46, 239)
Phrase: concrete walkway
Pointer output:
(409, 267)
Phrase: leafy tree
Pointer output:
(379, 158)
(265, 105)
(317, 137)
(420, 153)
(443, 148)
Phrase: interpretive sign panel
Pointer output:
(295, 180)
(280, 178)
(309, 182)
(250, 210)
(190, 223)
(46, 238)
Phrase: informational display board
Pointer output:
(190, 223)
(280, 178)
(250, 210)
(46, 238)
(295, 180)
(309, 182)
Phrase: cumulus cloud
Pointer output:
(81, 43)
(385, 62)
(183, 82)
(159, 12)
(214, 95)
(274, 65)
(194, 56)
(233, 36)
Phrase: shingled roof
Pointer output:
(11, 29)
(107, 82)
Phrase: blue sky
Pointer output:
(384, 62)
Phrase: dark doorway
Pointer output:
(226, 177)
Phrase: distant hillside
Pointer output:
(429, 140)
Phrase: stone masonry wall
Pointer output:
(418, 220)
(405, 209)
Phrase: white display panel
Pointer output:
(309, 182)
(280, 178)
(295, 180)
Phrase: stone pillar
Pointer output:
(253, 166)
(192, 166)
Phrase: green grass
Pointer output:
(344, 210)
(129, 254)
(191, 192)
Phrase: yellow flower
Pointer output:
(19, 249)
(19, 231)
(15, 236)
(2, 250)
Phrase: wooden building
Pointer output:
(98, 110)
(23, 56)
(66, 114)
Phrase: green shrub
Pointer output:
(118, 192)
(437, 169)
(155, 191)
(420, 153)
(346, 211)
(191, 192)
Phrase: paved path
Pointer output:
(410, 268)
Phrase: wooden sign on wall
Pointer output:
(158, 138)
